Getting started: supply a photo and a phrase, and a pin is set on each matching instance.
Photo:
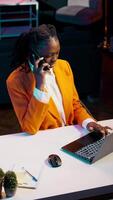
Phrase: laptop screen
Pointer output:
(83, 141)
(90, 147)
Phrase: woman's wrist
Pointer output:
(40, 84)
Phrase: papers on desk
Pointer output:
(27, 177)
(25, 180)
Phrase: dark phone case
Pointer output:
(41, 62)
(32, 60)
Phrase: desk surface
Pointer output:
(73, 177)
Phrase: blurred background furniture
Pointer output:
(82, 28)
(47, 10)
(107, 43)
(80, 12)
(17, 16)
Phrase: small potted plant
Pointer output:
(10, 183)
(1, 181)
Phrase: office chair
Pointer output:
(84, 18)
(80, 12)
(83, 15)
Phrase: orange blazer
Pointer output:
(34, 115)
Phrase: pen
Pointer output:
(33, 177)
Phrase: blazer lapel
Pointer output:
(52, 107)
(63, 89)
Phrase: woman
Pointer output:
(42, 88)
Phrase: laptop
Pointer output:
(90, 147)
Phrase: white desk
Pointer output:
(73, 180)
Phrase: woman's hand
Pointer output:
(40, 71)
(93, 126)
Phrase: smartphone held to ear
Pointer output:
(31, 63)
(42, 61)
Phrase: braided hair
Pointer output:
(30, 41)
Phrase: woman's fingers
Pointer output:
(93, 126)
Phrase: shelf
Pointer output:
(17, 17)
(13, 31)
(17, 20)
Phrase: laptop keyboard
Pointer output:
(89, 151)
